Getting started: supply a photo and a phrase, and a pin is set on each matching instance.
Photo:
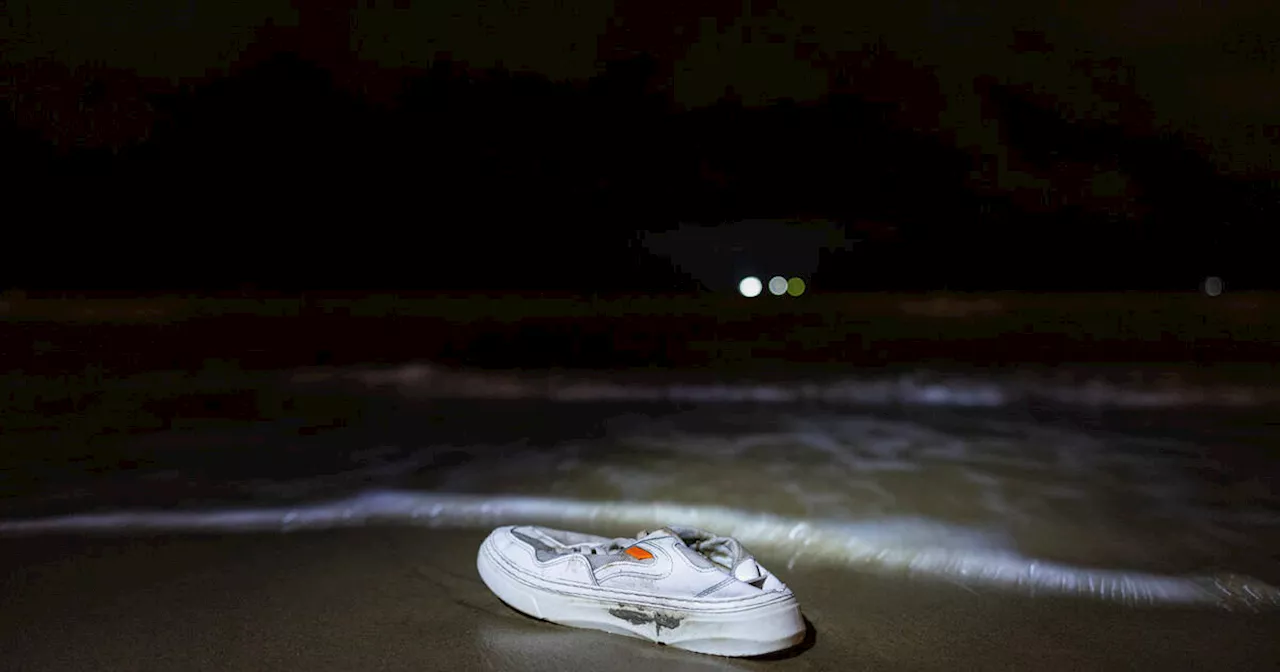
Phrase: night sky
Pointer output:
(592, 145)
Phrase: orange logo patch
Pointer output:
(638, 553)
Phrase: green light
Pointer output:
(795, 286)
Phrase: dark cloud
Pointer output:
(951, 132)
(1208, 69)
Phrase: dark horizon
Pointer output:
(303, 165)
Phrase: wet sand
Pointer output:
(392, 599)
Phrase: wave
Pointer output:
(915, 388)
(910, 546)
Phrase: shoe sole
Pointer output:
(769, 628)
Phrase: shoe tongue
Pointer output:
(658, 533)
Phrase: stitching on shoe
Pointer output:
(716, 587)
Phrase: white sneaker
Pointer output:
(678, 586)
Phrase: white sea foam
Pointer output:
(917, 388)
(911, 546)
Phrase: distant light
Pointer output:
(777, 285)
(795, 286)
(1213, 285)
(750, 286)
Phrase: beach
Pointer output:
(946, 483)
(410, 599)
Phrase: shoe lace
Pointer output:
(726, 552)
(709, 545)
(612, 547)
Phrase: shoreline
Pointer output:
(708, 332)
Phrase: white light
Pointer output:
(777, 285)
(1213, 285)
(750, 286)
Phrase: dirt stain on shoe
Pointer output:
(659, 619)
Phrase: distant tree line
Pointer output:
(471, 179)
